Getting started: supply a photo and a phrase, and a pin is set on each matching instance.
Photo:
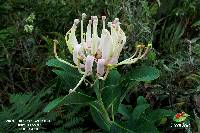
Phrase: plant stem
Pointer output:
(113, 117)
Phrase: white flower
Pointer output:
(28, 28)
(104, 50)
(30, 18)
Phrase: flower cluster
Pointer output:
(29, 26)
(103, 51)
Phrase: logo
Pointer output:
(181, 121)
(180, 117)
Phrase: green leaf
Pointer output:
(4, 33)
(112, 92)
(99, 116)
(138, 110)
(72, 98)
(151, 55)
(56, 63)
(97, 89)
(113, 78)
(69, 75)
(180, 29)
(131, 86)
(158, 114)
(141, 100)
(142, 105)
(116, 128)
(197, 23)
(145, 126)
(124, 110)
(70, 80)
(144, 73)
(53, 104)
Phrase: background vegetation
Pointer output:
(27, 84)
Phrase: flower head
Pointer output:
(103, 50)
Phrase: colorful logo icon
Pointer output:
(180, 117)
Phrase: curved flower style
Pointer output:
(104, 50)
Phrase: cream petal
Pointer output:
(88, 33)
(88, 38)
(72, 36)
(74, 40)
(94, 45)
(82, 66)
(89, 64)
(76, 54)
(89, 43)
(113, 60)
(94, 36)
(115, 37)
(120, 44)
(101, 67)
(107, 47)
(98, 43)
(101, 40)
(71, 39)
